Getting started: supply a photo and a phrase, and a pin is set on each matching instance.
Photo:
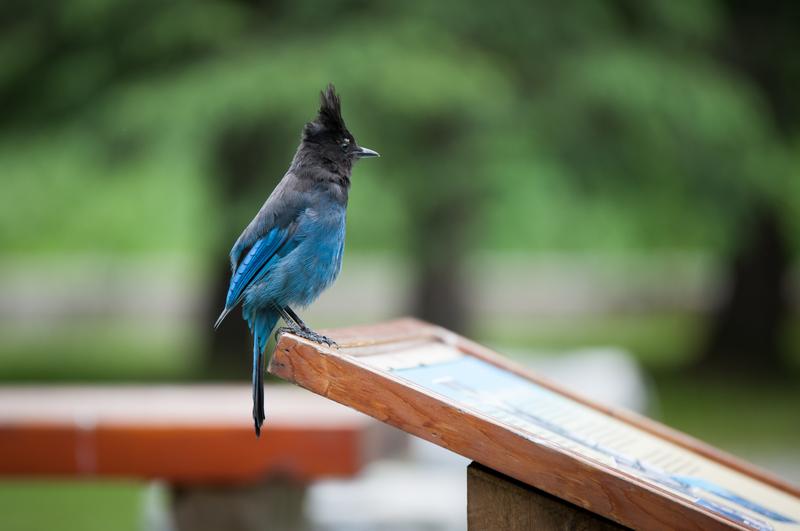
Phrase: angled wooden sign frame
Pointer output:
(455, 393)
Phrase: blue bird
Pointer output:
(292, 250)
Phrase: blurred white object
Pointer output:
(608, 375)
(392, 495)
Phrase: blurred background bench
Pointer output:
(198, 439)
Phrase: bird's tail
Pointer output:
(258, 386)
(222, 316)
(261, 324)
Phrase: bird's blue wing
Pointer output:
(252, 267)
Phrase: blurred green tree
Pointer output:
(138, 127)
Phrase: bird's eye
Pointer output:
(345, 143)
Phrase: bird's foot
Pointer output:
(284, 330)
(307, 333)
(317, 338)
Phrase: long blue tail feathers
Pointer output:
(261, 326)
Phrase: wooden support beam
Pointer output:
(273, 504)
(496, 502)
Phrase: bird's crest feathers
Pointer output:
(329, 118)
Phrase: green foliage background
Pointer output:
(596, 127)
(577, 125)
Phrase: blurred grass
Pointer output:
(110, 350)
(749, 419)
(657, 341)
(91, 505)
(664, 342)
(114, 350)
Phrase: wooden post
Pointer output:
(499, 503)
(270, 505)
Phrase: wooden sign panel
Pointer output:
(459, 395)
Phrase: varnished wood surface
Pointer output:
(611, 493)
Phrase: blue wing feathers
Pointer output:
(252, 267)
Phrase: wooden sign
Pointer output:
(450, 391)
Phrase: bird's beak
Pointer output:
(362, 153)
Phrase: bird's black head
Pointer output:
(328, 136)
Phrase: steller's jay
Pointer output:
(292, 250)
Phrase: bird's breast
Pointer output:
(318, 259)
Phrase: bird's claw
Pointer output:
(316, 338)
(284, 330)
(307, 333)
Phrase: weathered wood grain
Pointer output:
(410, 328)
(611, 493)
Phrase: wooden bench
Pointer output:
(197, 438)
